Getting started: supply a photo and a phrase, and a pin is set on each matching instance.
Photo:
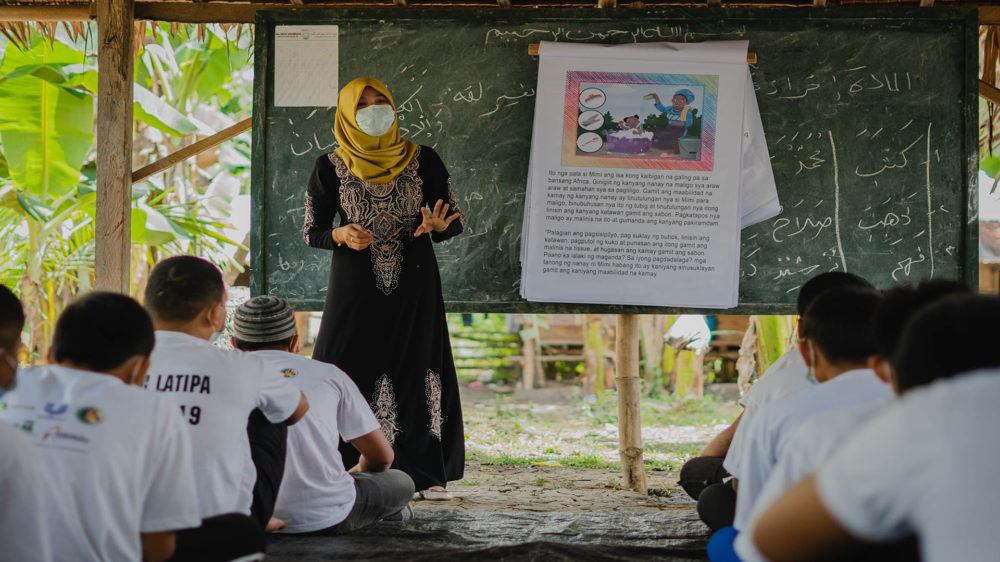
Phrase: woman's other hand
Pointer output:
(354, 235)
(435, 221)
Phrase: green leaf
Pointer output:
(990, 165)
(155, 112)
(46, 129)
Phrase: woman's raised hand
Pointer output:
(435, 221)
(354, 235)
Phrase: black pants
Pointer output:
(379, 495)
(701, 472)
(703, 479)
(267, 449)
(220, 538)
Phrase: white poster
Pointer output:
(306, 65)
(635, 176)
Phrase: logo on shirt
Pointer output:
(52, 409)
(289, 373)
(89, 416)
(55, 433)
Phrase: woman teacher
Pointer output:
(383, 320)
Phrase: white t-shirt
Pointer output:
(927, 466)
(813, 443)
(770, 430)
(23, 533)
(316, 491)
(786, 376)
(216, 391)
(115, 461)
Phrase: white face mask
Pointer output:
(217, 333)
(811, 375)
(375, 120)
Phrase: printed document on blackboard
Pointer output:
(635, 177)
(306, 65)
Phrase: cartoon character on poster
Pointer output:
(618, 120)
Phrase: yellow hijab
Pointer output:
(374, 159)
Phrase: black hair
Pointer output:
(954, 335)
(11, 318)
(824, 282)
(256, 346)
(839, 323)
(900, 304)
(179, 288)
(100, 331)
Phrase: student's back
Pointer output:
(316, 491)
(216, 390)
(22, 506)
(927, 466)
(115, 461)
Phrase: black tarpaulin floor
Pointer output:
(441, 535)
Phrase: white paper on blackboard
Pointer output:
(306, 63)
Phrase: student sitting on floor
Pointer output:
(923, 467)
(216, 391)
(317, 494)
(703, 477)
(22, 516)
(115, 460)
(819, 437)
(837, 341)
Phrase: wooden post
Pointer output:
(629, 424)
(113, 232)
(530, 360)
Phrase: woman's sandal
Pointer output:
(435, 493)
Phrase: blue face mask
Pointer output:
(375, 120)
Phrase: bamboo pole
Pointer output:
(190, 150)
(115, 32)
(629, 424)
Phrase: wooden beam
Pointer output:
(989, 92)
(297, 2)
(989, 15)
(629, 390)
(113, 227)
(190, 150)
(926, 3)
(45, 13)
(399, 3)
(227, 12)
(819, 3)
(607, 3)
(533, 51)
(505, 4)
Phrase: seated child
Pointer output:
(786, 376)
(819, 437)
(238, 457)
(22, 516)
(115, 460)
(317, 495)
(923, 466)
(837, 342)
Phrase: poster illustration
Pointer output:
(639, 120)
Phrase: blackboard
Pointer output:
(870, 117)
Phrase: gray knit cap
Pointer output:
(264, 319)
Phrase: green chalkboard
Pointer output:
(870, 118)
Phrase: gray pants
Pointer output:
(379, 495)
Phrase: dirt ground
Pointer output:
(538, 488)
(524, 453)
